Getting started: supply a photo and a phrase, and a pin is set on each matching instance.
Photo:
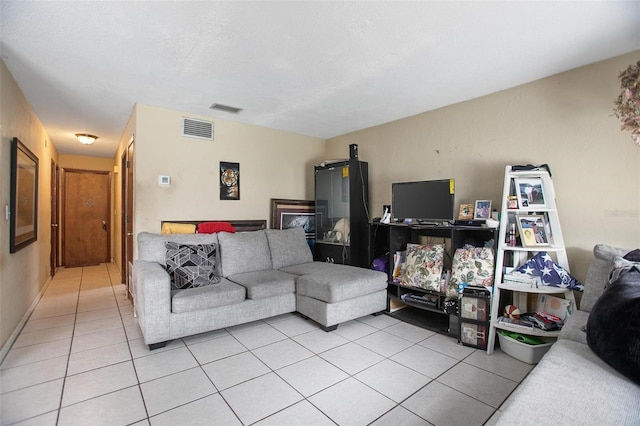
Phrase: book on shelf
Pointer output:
(425, 299)
(517, 323)
(544, 321)
(523, 279)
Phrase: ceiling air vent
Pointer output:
(225, 108)
(197, 128)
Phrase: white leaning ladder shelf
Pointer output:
(518, 254)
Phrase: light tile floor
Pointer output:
(80, 360)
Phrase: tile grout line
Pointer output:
(80, 289)
(75, 319)
(97, 368)
(48, 381)
(349, 376)
(138, 385)
(218, 391)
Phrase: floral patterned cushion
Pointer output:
(471, 265)
(423, 266)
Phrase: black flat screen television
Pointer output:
(423, 201)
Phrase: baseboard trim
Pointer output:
(16, 332)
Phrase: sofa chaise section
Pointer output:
(334, 294)
(327, 293)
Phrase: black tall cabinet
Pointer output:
(341, 203)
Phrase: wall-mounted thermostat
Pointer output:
(164, 180)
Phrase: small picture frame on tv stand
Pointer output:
(465, 212)
(482, 209)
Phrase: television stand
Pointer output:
(388, 238)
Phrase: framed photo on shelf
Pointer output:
(466, 212)
(532, 230)
(530, 193)
(482, 210)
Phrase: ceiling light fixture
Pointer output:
(86, 138)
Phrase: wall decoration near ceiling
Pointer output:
(627, 107)
(24, 196)
(229, 181)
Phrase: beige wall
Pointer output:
(85, 163)
(24, 274)
(273, 164)
(565, 121)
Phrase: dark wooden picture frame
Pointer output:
(229, 181)
(24, 197)
(293, 213)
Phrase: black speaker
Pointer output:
(353, 151)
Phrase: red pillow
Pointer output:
(213, 227)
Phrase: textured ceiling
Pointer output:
(314, 68)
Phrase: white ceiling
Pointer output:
(314, 68)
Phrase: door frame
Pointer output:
(123, 217)
(55, 234)
(126, 207)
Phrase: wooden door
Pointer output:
(86, 218)
(126, 167)
(55, 240)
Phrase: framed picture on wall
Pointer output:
(229, 181)
(24, 197)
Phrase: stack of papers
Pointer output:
(517, 323)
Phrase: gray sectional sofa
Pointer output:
(571, 385)
(262, 274)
